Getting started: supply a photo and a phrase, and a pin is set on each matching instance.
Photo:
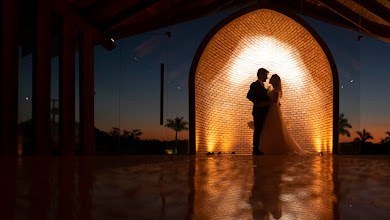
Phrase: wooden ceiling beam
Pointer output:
(63, 8)
(361, 22)
(324, 14)
(376, 8)
(180, 13)
(81, 3)
(317, 12)
(129, 12)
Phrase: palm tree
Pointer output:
(386, 140)
(177, 125)
(363, 136)
(343, 124)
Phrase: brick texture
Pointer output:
(228, 65)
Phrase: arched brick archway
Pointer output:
(226, 64)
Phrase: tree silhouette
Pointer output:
(115, 135)
(177, 125)
(343, 124)
(136, 134)
(386, 140)
(115, 131)
(363, 136)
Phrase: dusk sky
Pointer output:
(127, 79)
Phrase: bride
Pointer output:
(275, 138)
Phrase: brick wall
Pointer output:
(228, 65)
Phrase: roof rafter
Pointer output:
(361, 22)
(181, 12)
(376, 8)
(63, 8)
(118, 18)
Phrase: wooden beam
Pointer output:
(163, 17)
(9, 168)
(66, 188)
(361, 22)
(64, 9)
(129, 12)
(324, 14)
(376, 8)
(86, 174)
(67, 87)
(41, 78)
(9, 76)
(162, 95)
(82, 3)
(87, 125)
(40, 193)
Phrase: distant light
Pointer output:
(135, 58)
(112, 40)
(26, 98)
(178, 87)
(351, 81)
(342, 86)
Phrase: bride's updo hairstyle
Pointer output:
(276, 83)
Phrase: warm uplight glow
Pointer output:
(228, 65)
(112, 40)
(27, 98)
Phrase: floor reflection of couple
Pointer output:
(265, 198)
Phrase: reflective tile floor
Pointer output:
(195, 187)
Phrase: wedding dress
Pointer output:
(275, 138)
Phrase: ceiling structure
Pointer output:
(124, 18)
(112, 20)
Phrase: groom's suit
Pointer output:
(257, 94)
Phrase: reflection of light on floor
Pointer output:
(198, 187)
(20, 145)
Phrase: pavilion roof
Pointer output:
(123, 18)
(118, 19)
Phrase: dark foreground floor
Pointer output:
(195, 187)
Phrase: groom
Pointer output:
(258, 95)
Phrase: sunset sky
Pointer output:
(127, 79)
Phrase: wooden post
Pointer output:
(67, 87)
(87, 124)
(9, 76)
(86, 171)
(41, 78)
(162, 96)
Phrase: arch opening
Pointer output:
(226, 64)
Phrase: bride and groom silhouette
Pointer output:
(270, 136)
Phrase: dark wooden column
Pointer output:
(85, 186)
(67, 87)
(9, 76)
(41, 78)
(87, 124)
